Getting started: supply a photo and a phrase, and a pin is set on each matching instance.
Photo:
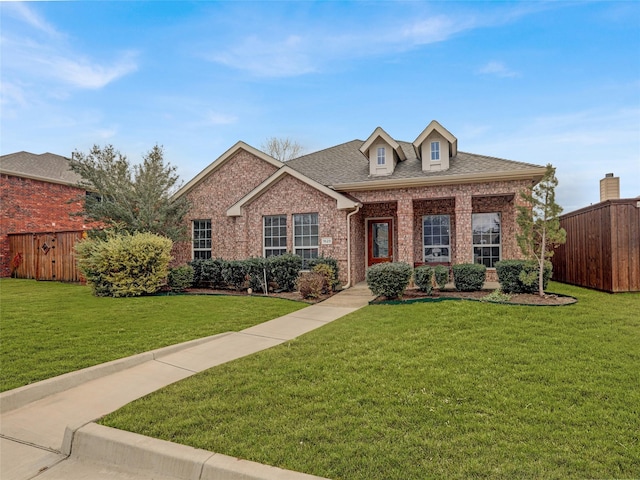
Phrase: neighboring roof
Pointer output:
(380, 133)
(221, 160)
(46, 167)
(344, 168)
(343, 202)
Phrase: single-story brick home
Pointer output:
(361, 202)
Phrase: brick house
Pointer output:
(361, 202)
(38, 195)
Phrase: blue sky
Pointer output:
(539, 82)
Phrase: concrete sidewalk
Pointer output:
(46, 429)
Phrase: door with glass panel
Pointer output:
(380, 241)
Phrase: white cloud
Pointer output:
(84, 73)
(22, 12)
(216, 118)
(498, 69)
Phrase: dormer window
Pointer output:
(381, 156)
(435, 151)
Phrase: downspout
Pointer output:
(358, 206)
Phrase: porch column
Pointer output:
(464, 234)
(405, 230)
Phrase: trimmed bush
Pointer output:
(180, 278)
(208, 273)
(125, 265)
(389, 279)
(442, 275)
(423, 276)
(521, 276)
(284, 270)
(333, 263)
(310, 284)
(469, 277)
(327, 273)
(234, 274)
(254, 269)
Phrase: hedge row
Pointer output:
(280, 272)
(515, 276)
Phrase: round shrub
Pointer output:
(234, 274)
(180, 278)
(442, 276)
(521, 276)
(327, 273)
(284, 270)
(255, 269)
(333, 263)
(469, 277)
(423, 276)
(310, 284)
(389, 279)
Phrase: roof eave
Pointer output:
(41, 179)
(534, 174)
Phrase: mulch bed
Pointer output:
(415, 295)
(243, 293)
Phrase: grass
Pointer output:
(50, 328)
(429, 390)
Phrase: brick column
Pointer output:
(405, 231)
(464, 236)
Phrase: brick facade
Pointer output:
(30, 206)
(242, 236)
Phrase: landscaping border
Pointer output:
(375, 301)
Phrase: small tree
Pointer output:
(283, 149)
(539, 223)
(132, 199)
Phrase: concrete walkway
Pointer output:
(47, 429)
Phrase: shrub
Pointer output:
(496, 296)
(180, 278)
(333, 263)
(521, 276)
(234, 274)
(423, 276)
(469, 277)
(327, 273)
(254, 269)
(124, 265)
(389, 279)
(441, 275)
(310, 284)
(284, 270)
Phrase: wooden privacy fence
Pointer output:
(603, 247)
(45, 256)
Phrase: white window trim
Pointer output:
(193, 234)
(265, 248)
(306, 247)
(435, 151)
(383, 157)
(424, 247)
(490, 245)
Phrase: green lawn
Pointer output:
(434, 390)
(50, 328)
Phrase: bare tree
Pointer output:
(283, 149)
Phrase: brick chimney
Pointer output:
(609, 187)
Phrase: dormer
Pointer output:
(435, 146)
(383, 153)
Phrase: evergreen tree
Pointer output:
(131, 198)
(539, 223)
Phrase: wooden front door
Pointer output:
(380, 236)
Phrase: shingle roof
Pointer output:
(48, 167)
(345, 164)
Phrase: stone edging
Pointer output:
(18, 397)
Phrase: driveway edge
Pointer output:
(100, 444)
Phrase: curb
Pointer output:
(19, 397)
(107, 445)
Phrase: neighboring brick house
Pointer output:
(361, 202)
(38, 194)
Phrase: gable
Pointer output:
(45, 167)
(222, 160)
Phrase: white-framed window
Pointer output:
(201, 239)
(436, 236)
(274, 235)
(435, 151)
(305, 236)
(486, 229)
(382, 152)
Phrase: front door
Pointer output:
(380, 235)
